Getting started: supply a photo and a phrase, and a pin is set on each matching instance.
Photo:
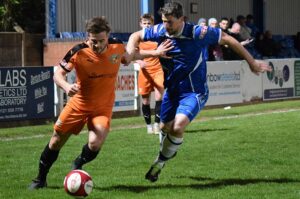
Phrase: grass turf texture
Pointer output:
(223, 156)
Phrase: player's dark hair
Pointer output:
(172, 9)
(96, 25)
(147, 16)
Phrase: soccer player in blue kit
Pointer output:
(185, 74)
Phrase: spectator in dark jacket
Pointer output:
(266, 45)
(234, 31)
(250, 23)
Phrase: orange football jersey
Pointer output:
(152, 62)
(96, 75)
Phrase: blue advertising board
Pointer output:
(26, 93)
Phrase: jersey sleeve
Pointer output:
(207, 35)
(152, 33)
(69, 60)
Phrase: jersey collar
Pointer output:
(178, 34)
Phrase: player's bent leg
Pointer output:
(169, 149)
(86, 156)
(48, 157)
(97, 137)
(172, 141)
(58, 140)
(168, 112)
(169, 145)
(90, 150)
(180, 123)
(165, 129)
(156, 167)
(154, 171)
(162, 136)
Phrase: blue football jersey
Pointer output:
(186, 71)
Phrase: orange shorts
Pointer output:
(148, 81)
(72, 121)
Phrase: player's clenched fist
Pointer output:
(73, 89)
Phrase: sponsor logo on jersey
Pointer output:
(94, 75)
(114, 58)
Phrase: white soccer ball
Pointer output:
(78, 183)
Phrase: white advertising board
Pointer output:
(279, 83)
(125, 89)
(251, 84)
(224, 82)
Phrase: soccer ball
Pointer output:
(78, 183)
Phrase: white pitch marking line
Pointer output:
(214, 118)
(255, 114)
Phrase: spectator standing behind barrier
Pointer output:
(96, 61)
(212, 22)
(151, 77)
(185, 75)
(245, 31)
(224, 23)
(202, 22)
(214, 51)
(259, 42)
(229, 54)
(267, 46)
(250, 24)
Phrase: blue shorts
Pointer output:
(189, 104)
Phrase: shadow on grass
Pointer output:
(55, 187)
(206, 183)
(201, 130)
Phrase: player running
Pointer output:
(151, 77)
(185, 74)
(96, 62)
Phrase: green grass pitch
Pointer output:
(246, 152)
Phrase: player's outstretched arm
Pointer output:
(132, 46)
(133, 52)
(160, 51)
(256, 66)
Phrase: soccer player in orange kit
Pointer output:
(96, 61)
(151, 77)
